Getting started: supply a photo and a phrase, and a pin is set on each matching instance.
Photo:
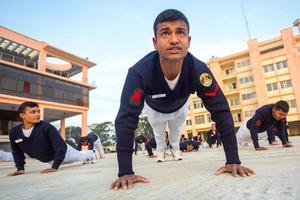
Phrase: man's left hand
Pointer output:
(49, 170)
(236, 170)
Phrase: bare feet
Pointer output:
(261, 149)
(274, 143)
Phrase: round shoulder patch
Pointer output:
(205, 79)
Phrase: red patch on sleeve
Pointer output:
(258, 123)
(136, 96)
(214, 93)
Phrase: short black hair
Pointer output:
(170, 15)
(29, 104)
(84, 139)
(282, 105)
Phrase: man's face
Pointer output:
(278, 114)
(172, 40)
(213, 127)
(31, 115)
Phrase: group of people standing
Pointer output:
(185, 144)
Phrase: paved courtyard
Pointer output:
(277, 177)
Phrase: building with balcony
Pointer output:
(266, 72)
(32, 70)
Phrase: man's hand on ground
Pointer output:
(127, 181)
(261, 149)
(16, 173)
(49, 170)
(236, 170)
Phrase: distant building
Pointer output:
(265, 73)
(32, 70)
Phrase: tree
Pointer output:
(105, 131)
(144, 127)
(113, 138)
(73, 134)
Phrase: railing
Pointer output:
(18, 60)
(80, 79)
(32, 64)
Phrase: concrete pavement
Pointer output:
(277, 177)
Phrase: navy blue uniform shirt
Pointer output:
(145, 82)
(44, 144)
(212, 137)
(262, 121)
(92, 137)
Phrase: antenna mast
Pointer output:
(246, 22)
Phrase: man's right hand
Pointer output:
(261, 149)
(16, 173)
(127, 181)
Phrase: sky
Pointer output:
(116, 34)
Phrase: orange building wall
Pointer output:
(285, 47)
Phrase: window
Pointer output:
(234, 101)
(272, 86)
(237, 117)
(199, 119)
(229, 71)
(268, 68)
(249, 79)
(249, 113)
(286, 84)
(20, 86)
(246, 79)
(243, 63)
(281, 65)
(48, 91)
(190, 135)
(188, 122)
(9, 83)
(232, 86)
(22, 83)
(248, 96)
(34, 88)
(57, 93)
(198, 104)
(208, 118)
(292, 103)
(26, 87)
(78, 101)
(242, 80)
